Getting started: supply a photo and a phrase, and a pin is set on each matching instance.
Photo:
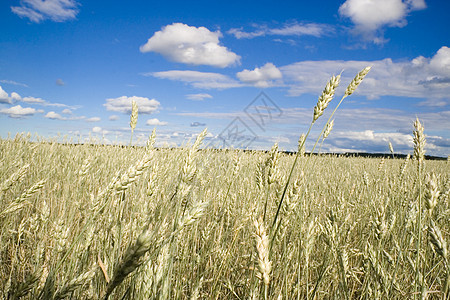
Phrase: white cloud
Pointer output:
(54, 116)
(93, 119)
(370, 16)
(368, 141)
(15, 96)
(19, 111)
(416, 4)
(59, 82)
(40, 101)
(440, 63)
(421, 77)
(155, 122)
(203, 80)
(4, 97)
(199, 97)
(290, 29)
(123, 104)
(97, 129)
(240, 34)
(114, 117)
(312, 29)
(13, 82)
(39, 10)
(34, 100)
(261, 77)
(370, 135)
(190, 45)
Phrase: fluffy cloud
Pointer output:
(199, 97)
(293, 29)
(93, 119)
(123, 104)
(15, 96)
(97, 129)
(54, 116)
(67, 111)
(114, 117)
(370, 16)
(4, 97)
(440, 63)
(421, 77)
(155, 122)
(19, 111)
(203, 80)
(261, 77)
(38, 10)
(190, 45)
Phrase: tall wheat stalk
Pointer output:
(322, 103)
(133, 118)
(419, 155)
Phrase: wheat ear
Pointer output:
(326, 97)
(17, 176)
(262, 248)
(21, 201)
(419, 142)
(131, 260)
(133, 118)
(72, 285)
(356, 81)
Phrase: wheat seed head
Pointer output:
(301, 144)
(134, 114)
(356, 81)
(262, 247)
(419, 141)
(328, 129)
(326, 97)
(391, 148)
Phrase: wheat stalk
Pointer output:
(262, 248)
(328, 129)
(350, 89)
(431, 192)
(21, 201)
(73, 284)
(301, 144)
(17, 176)
(438, 241)
(133, 118)
(419, 142)
(419, 155)
(356, 81)
(326, 97)
(132, 259)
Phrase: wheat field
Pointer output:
(110, 222)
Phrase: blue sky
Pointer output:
(249, 72)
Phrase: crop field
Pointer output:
(81, 222)
(110, 222)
